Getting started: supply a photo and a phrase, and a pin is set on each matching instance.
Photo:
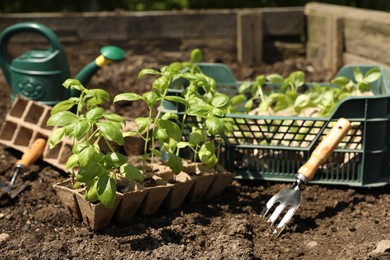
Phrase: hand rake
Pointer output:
(7, 191)
(290, 199)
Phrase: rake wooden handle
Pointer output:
(33, 153)
(325, 148)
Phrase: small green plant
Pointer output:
(273, 93)
(167, 128)
(89, 127)
(158, 127)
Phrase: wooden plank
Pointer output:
(288, 22)
(250, 37)
(182, 26)
(368, 39)
(321, 9)
(334, 46)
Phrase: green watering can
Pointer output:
(39, 74)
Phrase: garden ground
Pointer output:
(333, 222)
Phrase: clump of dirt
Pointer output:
(333, 222)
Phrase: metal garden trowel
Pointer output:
(291, 197)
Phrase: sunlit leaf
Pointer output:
(144, 72)
(106, 189)
(127, 97)
(56, 137)
(64, 105)
(175, 163)
(132, 173)
(143, 123)
(111, 132)
(62, 118)
(196, 56)
(81, 128)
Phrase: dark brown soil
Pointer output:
(333, 222)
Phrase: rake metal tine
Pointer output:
(276, 213)
(286, 219)
(269, 205)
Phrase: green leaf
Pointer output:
(196, 137)
(78, 147)
(275, 79)
(196, 56)
(363, 86)
(207, 154)
(181, 145)
(106, 189)
(95, 113)
(238, 99)
(340, 81)
(114, 160)
(167, 128)
(372, 75)
(282, 101)
(214, 126)
(130, 133)
(357, 73)
(144, 72)
(91, 193)
(177, 99)
(64, 105)
(99, 94)
(173, 69)
(88, 155)
(72, 161)
(155, 152)
(143, 123)
(111, 132)
(56, 137)
(150, 98)
(162, 135)
(296, 79)
(244, 86)
(62, 118)
(81, 128)
(169, 116)
(73, 84)
(264, 106)
(132, 173)
(175, 163)
(199, 108)
(127, 97)
(260, 80)
(88, 173)
(161, 84)
(302, 101)
(249, 105)
(220, 100)
(217, 112)
(114, 118)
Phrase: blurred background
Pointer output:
(22, 6)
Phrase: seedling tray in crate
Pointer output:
(274, 147)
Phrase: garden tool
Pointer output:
(289, 199)
(28, 158)
(39, 74)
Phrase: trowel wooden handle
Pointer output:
(33, 153)
(325, 148)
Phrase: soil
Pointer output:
(333, 222)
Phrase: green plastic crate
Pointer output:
(274, 147)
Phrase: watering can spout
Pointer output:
(107, 55)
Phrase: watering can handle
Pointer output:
(9, 32)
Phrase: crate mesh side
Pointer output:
(274, 149)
